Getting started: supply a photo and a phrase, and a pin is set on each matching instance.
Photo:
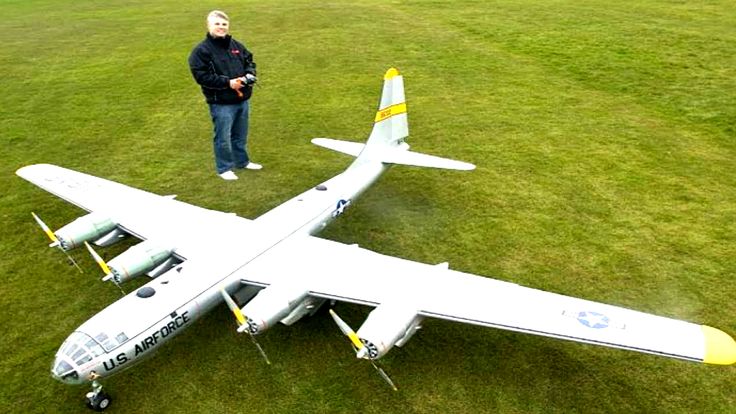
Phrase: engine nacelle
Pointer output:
(387, 326)
(273, 304)
(309, 306)
(137, 260)
(111, 238)
(86, 228)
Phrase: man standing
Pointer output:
(225, 70)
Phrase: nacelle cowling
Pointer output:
(86, 228)
(138, 259)
(273, 304)
(111, 238)
(386, 326)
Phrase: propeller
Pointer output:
(105, 268)
(243, 324)
(360, 348)
(54, 240)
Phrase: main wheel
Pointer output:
(99, 402)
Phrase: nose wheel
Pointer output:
(97, 399)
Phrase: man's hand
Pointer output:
(237, 83)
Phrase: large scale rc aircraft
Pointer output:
(280, 271)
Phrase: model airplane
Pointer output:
(280, 271)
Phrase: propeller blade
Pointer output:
(47, 230)
(71, 259)
(258, 346)
(233, 307)
(55, 241)
(243, 323)
(99, 260)
(362, 351)
(383, 375)
(348, 332)
(105, 268)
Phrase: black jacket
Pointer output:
(214, 62)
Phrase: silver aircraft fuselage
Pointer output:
(135, 326)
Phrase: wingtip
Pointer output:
(27, 170)
(720, 348)
(468, 166)
(20, 172)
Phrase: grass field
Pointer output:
(604, 135)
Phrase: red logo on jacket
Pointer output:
(235, 52)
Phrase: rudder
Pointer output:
(391, 125)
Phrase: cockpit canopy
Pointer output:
(78, 349)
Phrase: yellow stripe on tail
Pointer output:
(392, 110)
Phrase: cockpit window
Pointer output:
(62, 368)
(65, 371)
(79, 353)
(74, 357)
(94, 347)
(106, 342)
(84, 360)
(69, 350)
(79, 348)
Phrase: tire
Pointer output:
(100, 402)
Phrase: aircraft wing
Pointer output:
(348, 273)
(352, 274)
(140, 213)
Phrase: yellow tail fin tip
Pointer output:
(391, 73)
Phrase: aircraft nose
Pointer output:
(64, 372)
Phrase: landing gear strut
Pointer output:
(97, 399)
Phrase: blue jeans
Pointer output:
(231, 135)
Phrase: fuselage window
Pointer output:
(122, 338)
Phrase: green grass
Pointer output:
(604, 138)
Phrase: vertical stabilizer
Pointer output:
(390, 124)
(390, 127)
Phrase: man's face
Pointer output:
(218, 27)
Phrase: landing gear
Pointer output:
(97, 399)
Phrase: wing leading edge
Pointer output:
(348, 273)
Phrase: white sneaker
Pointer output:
(228, 175)
(253, 166)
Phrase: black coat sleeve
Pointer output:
(203, 69)
(250, 65)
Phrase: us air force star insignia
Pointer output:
(340, 208)
(594, 320)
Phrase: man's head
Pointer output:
(218, 24)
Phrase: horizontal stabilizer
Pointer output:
(424, 160)
(346, 147)
(394, 155)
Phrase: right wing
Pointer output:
(341, 272)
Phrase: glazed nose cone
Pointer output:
(63, 371)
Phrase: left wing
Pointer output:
(190, 229)
(394, 286)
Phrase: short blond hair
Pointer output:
(217, 14)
